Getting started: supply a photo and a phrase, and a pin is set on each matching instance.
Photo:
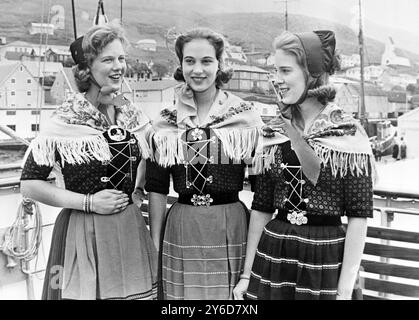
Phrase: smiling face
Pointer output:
(109, 67)
(199, 64)
(290, 76)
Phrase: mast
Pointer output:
(362, 115)
(74, 20)
(121, 12)
(286, 12)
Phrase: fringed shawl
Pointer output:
(75, 131)
(235, 122)
(337, 139)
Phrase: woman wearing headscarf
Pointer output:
(203, 144)
(318, 165)
(101, 248)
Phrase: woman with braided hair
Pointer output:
(317, 167)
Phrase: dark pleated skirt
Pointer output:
(101, 257)
(203, 251)
(297, 262)
(54, 271)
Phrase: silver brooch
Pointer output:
(197, 134)
(297, 218)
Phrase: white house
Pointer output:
(349, 61)
(43, 69)
(65, 83)
(34, 49)
(45, 28)
(371, 73)
(152, 96)
(147, 44)
(390, 58)
(376, 100)
(21, 98)
(247, 78)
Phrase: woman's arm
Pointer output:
(358, 192)
(107, 201)
(157, 214)
(138, 195)
(51, 195)
(258, 221)
(354, 248)
(140, 178)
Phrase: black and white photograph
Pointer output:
(226, 152)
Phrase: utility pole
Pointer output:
(362, 115)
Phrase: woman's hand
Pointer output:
(109, 201)
(240, 289)
(344, 294)
(138, 197)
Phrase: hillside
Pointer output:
(146, 19)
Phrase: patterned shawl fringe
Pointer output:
(357, 164)
(144, 146)
(341, 163)
(169, 149)
(71, 150)
(238, 144)
(262, 161)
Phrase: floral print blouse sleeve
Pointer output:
(34, 171)
(358, 195)
(263, 198)
(157, 178)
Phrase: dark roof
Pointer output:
(415, 99)
(16, 56)
(369, 90)
(250, 96)
(153, 85)
(6, 70)
(396, 96)
(247, 68)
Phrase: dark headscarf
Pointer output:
(76, 49)
(319, 47)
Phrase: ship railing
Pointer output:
(390, 265)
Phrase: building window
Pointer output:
(35, 127)
(12, 93)
(10, 112)
(36, 112)
(29, 93)
(29, 81)
(12, 126)
(13, 80)
(21, 68)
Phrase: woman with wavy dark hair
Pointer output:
(101, 247)
(318, 164)
(203, 144)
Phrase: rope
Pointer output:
(16, 244)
